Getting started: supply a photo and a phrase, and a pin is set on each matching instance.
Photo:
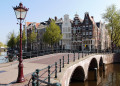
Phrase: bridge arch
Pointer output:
(78, 74)
(93, 64)
(91, 67)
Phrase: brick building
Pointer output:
(84, 33)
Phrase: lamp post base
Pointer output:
(20, 80)
(20, 73)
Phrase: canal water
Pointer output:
(111, 77)
(3, 58)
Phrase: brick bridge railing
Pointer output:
(46, 75)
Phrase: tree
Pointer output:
(12, 40)
(1, 44)
(32, 37)
(24, 38)
(112, 16)
(53, 34)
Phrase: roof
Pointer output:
(77, 16)
(98, 24)
(29, 23)
(37, 24)
(59, 20)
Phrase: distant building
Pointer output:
(40, 28)
(84, 33)
(104, 36)
(29, 26)
(66, 31)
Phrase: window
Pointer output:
(74, 31)
(65, 19)
(76, 22)
(90, 33)
(65, 23)
(86, 21)
(90, 27)
(83, 33)
(79, 28)
(74, 28)
(83, 27)
(86, 33)
(86, 28)
(68, 29)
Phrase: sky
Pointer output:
(41, 10)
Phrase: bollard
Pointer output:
(60, 66)
(82, 54)
(55, 69)
(37, 72)
(30, 54)
(63, 62)
(95, 74)
(48, 74)
(68, 59)
(33, 80)
(74, 58)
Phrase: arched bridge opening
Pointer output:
(93, 66)
(78, 75)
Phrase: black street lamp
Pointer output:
(20, 13)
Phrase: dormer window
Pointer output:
(76, 22)
(86, 21)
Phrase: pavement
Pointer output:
(9, 71)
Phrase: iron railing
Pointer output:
(44, 76)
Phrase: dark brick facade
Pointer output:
(84, 36)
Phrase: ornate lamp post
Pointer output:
(20, 13)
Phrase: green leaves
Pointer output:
(52, 34)
(112, 16)
(12, 40)
(24, 38)
(33, 35)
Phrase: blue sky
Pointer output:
(41, 10)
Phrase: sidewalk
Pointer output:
(9, 71)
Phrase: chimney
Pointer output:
(55, 18)
(92, 17)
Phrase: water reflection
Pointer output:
(111, 77)
(2, 57)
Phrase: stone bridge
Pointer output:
(80, 69)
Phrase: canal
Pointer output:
(3, 58)
(111, 77)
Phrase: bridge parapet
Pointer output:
(62, 71)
